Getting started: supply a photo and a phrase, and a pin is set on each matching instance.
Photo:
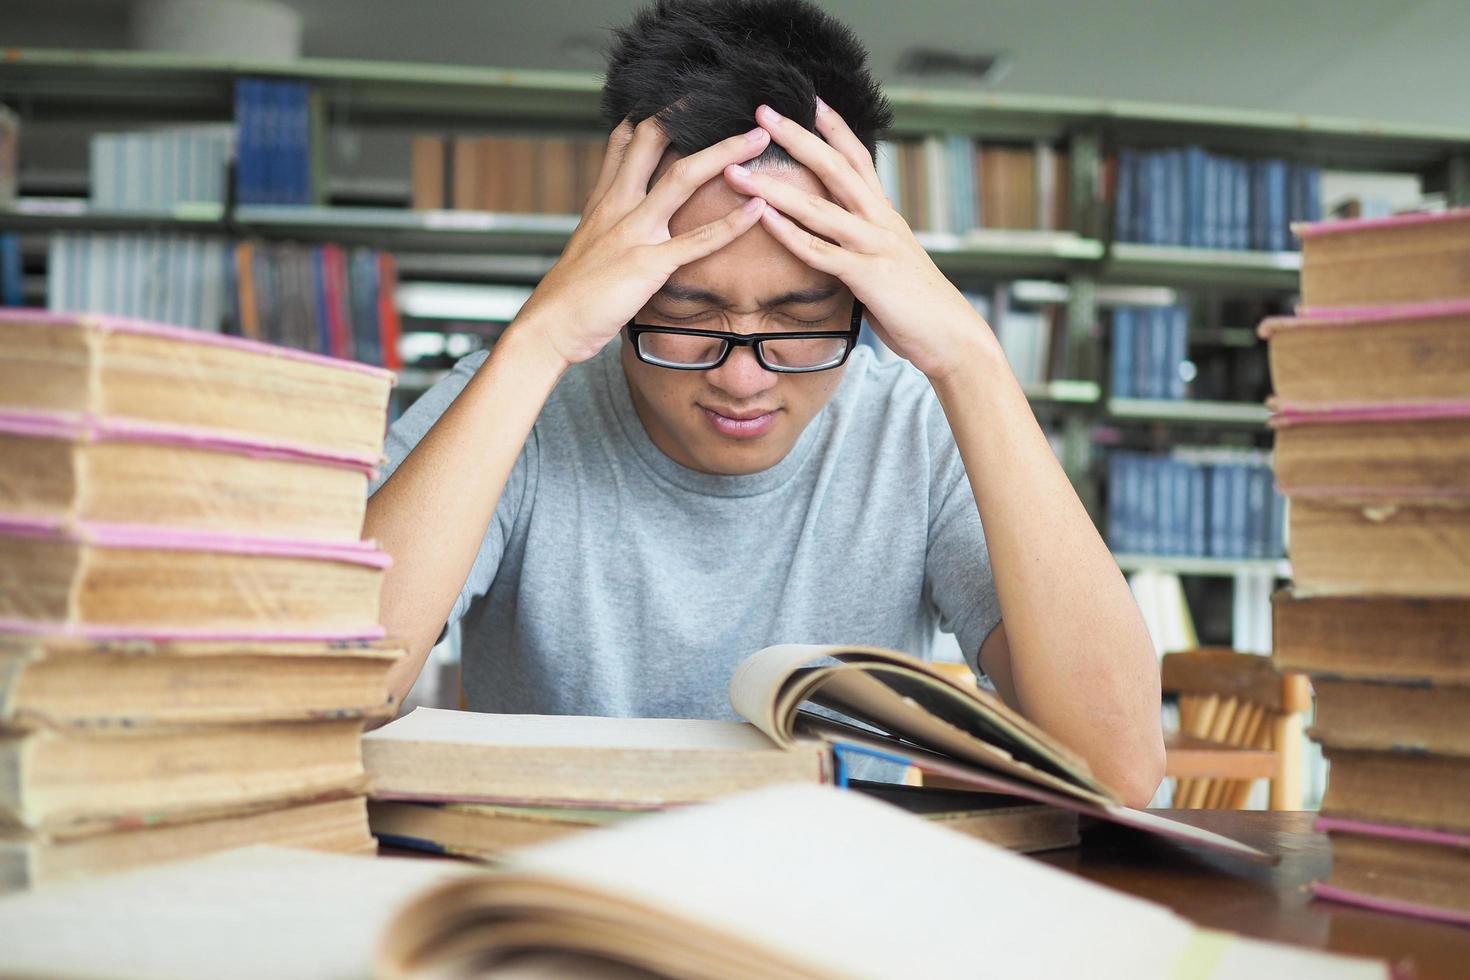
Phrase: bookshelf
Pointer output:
(97, 89)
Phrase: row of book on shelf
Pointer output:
(1372, 425)
(1187, 196)
(1197, 502)
(1150, 346)
(215, 562)
(322, 298)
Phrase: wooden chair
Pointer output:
(1239, 720)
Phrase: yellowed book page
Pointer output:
(796, 869)
(249, 913)
(762, 691)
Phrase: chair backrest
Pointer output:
(1239, 701)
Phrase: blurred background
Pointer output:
(1113, 185)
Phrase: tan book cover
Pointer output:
(1410, 258)
(75, 782)
(1409, 454)
(116, 369)
(339, 825)
(65, 469)
(72, 682)
(116, 582)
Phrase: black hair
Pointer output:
(703, 66)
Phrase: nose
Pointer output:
(741, 377)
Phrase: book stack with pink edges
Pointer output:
(1371, 405)
(189, 638)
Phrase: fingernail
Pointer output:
(772, 116)
(757, 135)
(754, 205)
(822, 106)
(739, 170)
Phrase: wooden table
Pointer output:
(1258, 900)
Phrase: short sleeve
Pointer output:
(957, 576)
(412, 426)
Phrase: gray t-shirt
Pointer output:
(614, 581)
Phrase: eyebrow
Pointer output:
(688, 294)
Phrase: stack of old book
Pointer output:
(188, 619)
(1372, 419)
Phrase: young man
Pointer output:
(674, 456)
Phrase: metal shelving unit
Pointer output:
(123, 88)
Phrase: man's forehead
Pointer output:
(691, 290)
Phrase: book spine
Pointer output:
(1179, 347)
(1199, 515)
(1123, 353)
(1115, 502)
(1242, 205)
(1257, 510)
(1168, 518)
(1148, 517)
(1160, 350)
(1194, 197)
(1278, 234)
(1123, 225)
(1219, 501)
(1142, 351)
(1178, 199)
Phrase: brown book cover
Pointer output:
(1403, 870)
(1387, 355)
(426, 173)
(1409, 788)
(1388, 716)
(1385, 546)
(1373, 452)
(1404, 637)
(1410, 258)
(1008, 187)
(589, 153)
(465, 166)
(558, 177)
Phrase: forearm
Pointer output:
(432, 513)
(1081, 661)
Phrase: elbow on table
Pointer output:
(1137, 775)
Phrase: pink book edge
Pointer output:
(1315, 228)
(103, 631)
(41, 424)
(187, 335)
(1418, 835)
(1287, 414)
(106, 535)
(1308, 317)
(1415, 909)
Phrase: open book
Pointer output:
(802, 881)
(787, 881)
(905, 711)
(961, 736)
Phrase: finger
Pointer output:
(808, 149)
(687, 175)
(816, 252)
(834, 129)
(612, 159)
(822, 216)
(644, 151)
(698, 242)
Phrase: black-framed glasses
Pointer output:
(787, 352)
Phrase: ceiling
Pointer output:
(1387, 59)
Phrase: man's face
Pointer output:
(737, 418)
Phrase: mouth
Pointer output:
(740, 425)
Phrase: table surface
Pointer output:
(1267, 902)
